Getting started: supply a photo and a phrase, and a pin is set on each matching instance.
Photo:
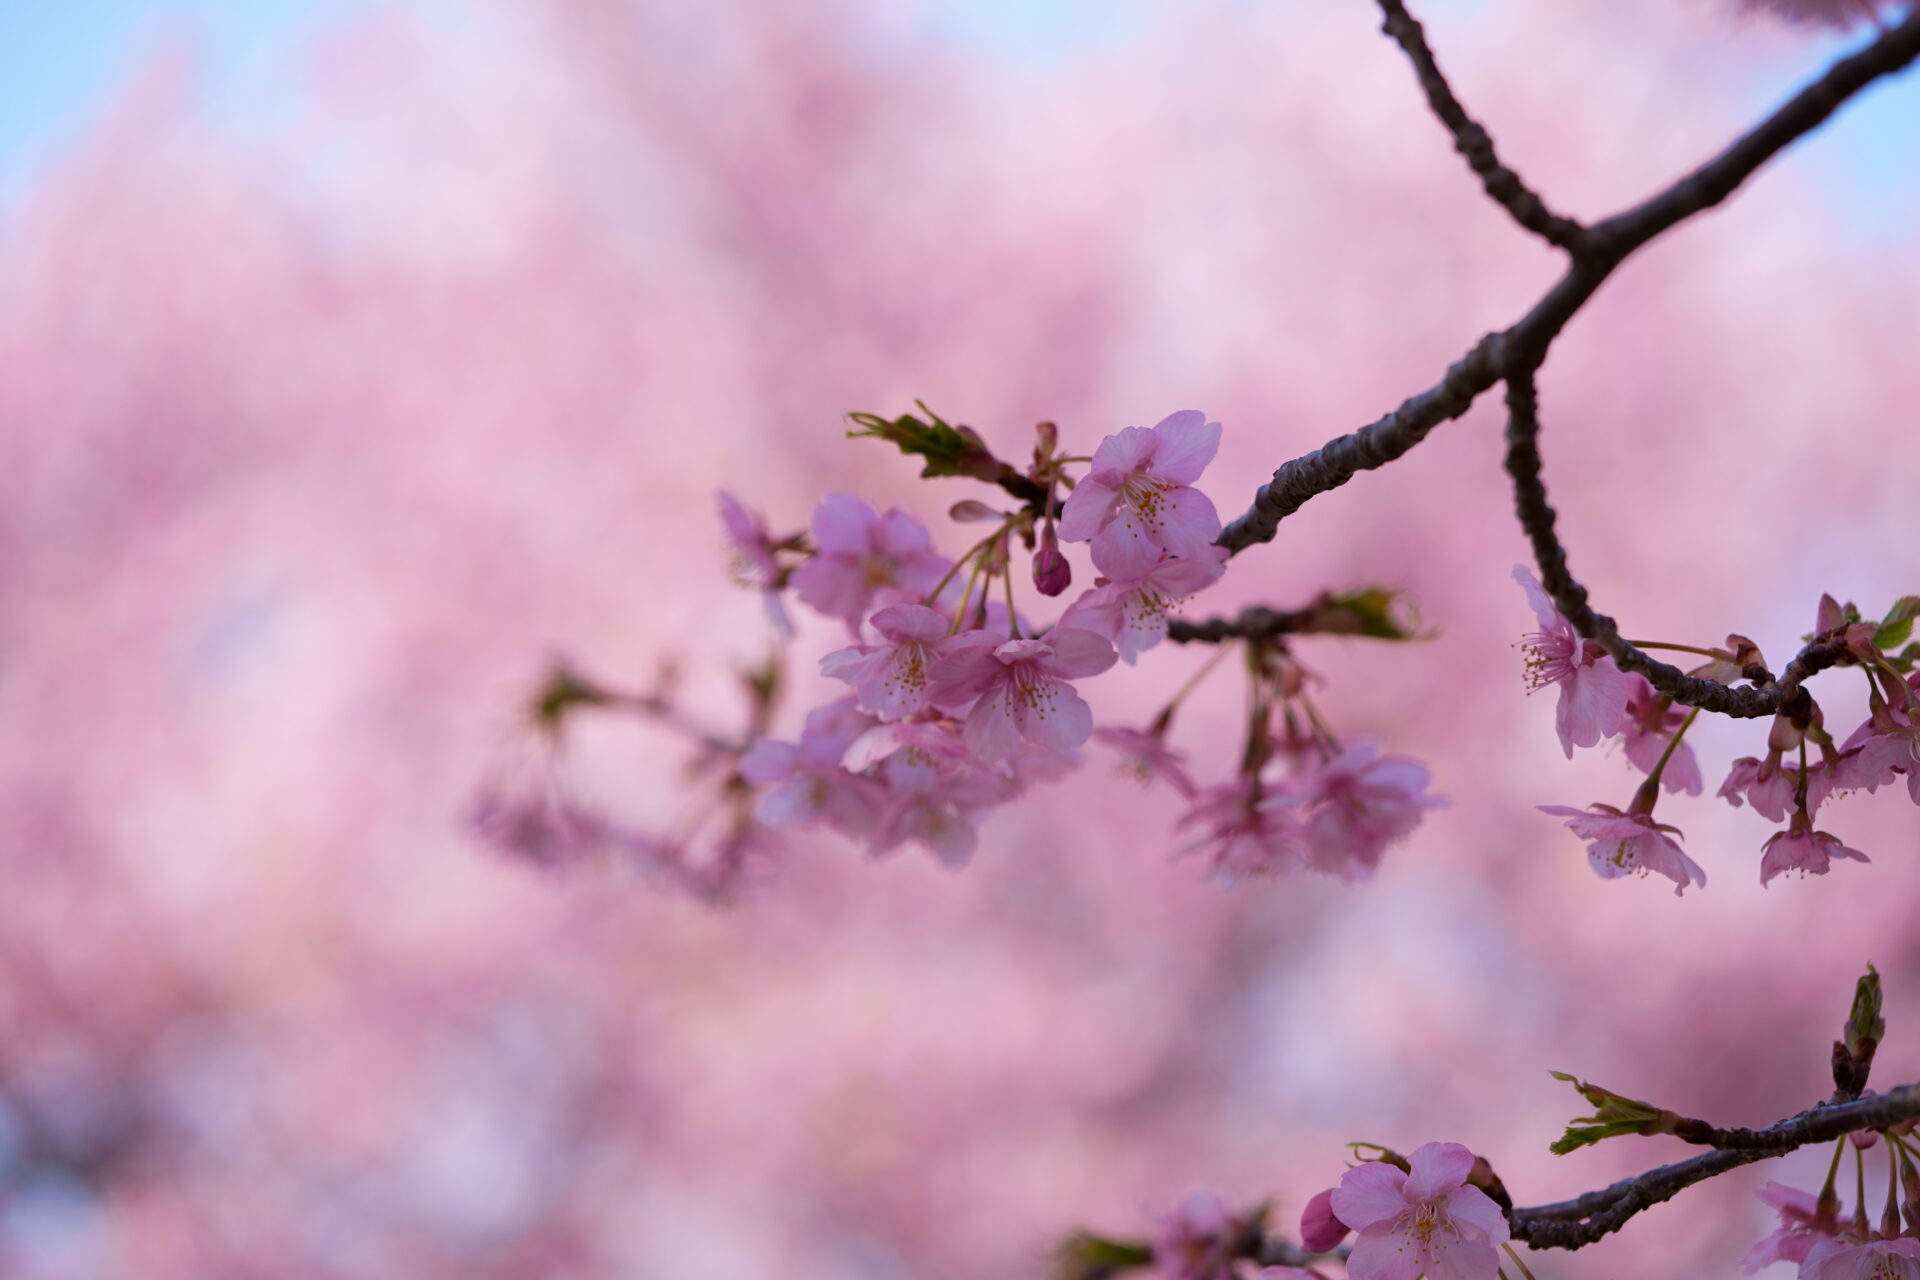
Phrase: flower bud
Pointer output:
(1051, 572)
(973, 511)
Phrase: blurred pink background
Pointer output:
(320, 437)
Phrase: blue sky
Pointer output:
(67, 54)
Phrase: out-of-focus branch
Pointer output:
(1585, 1219)
(1605, 246)
(1473, 142)
(1537, 518)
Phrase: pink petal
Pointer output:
(1384, 1255)
(1458, 1258)
(1087, 509)
(1370, 1193)
(1191, 523)
(1124, 549)
(1187, 443)
(991, 726)
(1543, 607)
(1121, 452)
(911, 622)
(1437, 1167)
(1061, 723)
(840, 524)
(1477, 1209)
(1078, 653)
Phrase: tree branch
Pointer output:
(1473, 142)
(1585, 1219)
(1606, 245)
(1537, 519)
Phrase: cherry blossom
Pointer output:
(1137, 501)
(1018, 688)
(1052, 575)
(861, 557)
(1244, 836)
(891, 679)
(1801, 848)
(754, 562)
(1427, 1222)
(1797, 1233)
(1593, 689)
(1357, 804)
(1621, 844)
(1131, 612)
(1195, 1241)
(1651, 721)
(1834, 1259)
(1147, 757)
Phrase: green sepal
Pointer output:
(1897, 626)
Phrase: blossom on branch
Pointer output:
(891, 679)
(1131, 611)
(1244, 836)
(1138, 500)
(1357, 804)
(1593, 689)
(862, 557)
(1424, 1223)
(1622, 844)
(1801, 848)
(1797, 1233)
(1833, 1259)
(754, 562)
(1651, 721)
(1018, 688)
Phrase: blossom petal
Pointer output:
(1477, 1209)
(841, 523)
(1187, 442)
(1458, 1258)
(1087, 509)
(1437, 1167)
(1078, 653)
(1383, 1255)
(1370, 1193)
(1124, 450)
(1189, 522)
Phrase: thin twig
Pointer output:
(1585, 1219)
(1472, 141)
(1606, 245)
(1537, 518)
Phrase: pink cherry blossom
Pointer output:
(541, 826)
(1651, 721)
(1772, 788)
(861, 557)
(1195, 1241)
(1796, 1234)
(1593, 689)
(1832, 1259)
(754, 562)
(1131, 612)
(1621, 844)
(1425, 1223)
(1147, 756)
(936, 789)
(1321, 1230)
(1137, 501)
(1018, 688)
(1800, 848)
(1872, 761)
(1889, 742)
(1244, 836)
(1357, 804)
(805, 781)
(891, 679)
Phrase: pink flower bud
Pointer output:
(1051, 572)
(973, 511)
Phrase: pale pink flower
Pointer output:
(1593, 689)
(541, 826)
(1357, 804)
(1147, 756)
(1651, 722)
(862, 557)
(1833, 13)
(1771, 787)
(805, 783)
(1244, 836)
(1018, 688)
(1321, 1230)
(1195, 1241)
(1832, 1259)
(1425, 1223)
(754, 562)
(1621, 844)
(1796, 1234)
(1131, 612)
(936, 789)
(1800, 848)
(1137, 501)
(1873, 760)
(891, 679)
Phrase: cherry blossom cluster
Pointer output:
(1442, 1213)
(957, 702)
(1804, 766)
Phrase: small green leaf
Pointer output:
(1897, 626)
(1083, 1256)
(942, 444)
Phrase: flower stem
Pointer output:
(1524, 1271)
(1164, 721)
(1721, 654)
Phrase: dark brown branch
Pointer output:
(1585, 1219)
(1473, 142)
(1607, 244)
(1537, 518)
